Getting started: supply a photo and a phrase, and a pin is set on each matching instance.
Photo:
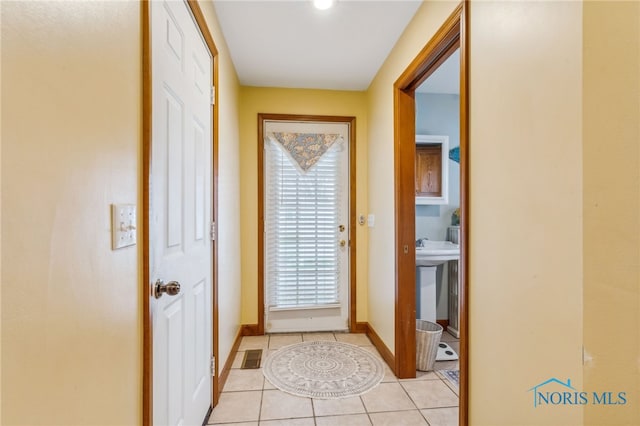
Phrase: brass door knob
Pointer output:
(343, 243)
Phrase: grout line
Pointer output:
(261, 399)
(313, 411)
(451, 386)
(422, 414)
(425, 419)
(409, 396)
(365, 409)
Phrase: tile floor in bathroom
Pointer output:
(248, 399)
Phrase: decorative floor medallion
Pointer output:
(325, 370)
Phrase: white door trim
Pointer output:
(318, 245)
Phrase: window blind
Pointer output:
(302, 214)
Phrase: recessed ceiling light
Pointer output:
(323, 4)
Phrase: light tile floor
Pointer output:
(248, 399)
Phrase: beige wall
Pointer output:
(611, 157)
(526, 208)
(229, 272)
(71, 309)
(294, 101)
(71, 125)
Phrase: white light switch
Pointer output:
(123, 225)
(371, 221)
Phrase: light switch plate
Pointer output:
(371, 221)
(123, 225)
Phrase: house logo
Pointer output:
(559, 395)
(556, 392)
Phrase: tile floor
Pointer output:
(248, 399)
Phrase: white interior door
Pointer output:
(180, 214)
(306, 227)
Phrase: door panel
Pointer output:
(200, 183)
(199, 352)
(173, 316)
(180, 210)
(173, 120)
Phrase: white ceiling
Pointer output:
(292, 44)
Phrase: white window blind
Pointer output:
(302, 213)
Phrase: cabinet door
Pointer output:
(429, 170)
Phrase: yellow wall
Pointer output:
(611, 158)
(294, 101)
(71, 124)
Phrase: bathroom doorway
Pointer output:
(451, 37)
(437, 106)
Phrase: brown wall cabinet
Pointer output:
(428, 170)
(432, 169)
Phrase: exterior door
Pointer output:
(180, 216)
(306, 209)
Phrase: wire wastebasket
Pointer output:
(428, 336)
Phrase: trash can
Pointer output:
(428, 336)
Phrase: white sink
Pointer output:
(436, 253)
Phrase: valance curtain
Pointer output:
(305, 149)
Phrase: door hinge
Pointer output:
(213, 366)
(212, 231)
(213, 95)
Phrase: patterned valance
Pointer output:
(305, 148)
